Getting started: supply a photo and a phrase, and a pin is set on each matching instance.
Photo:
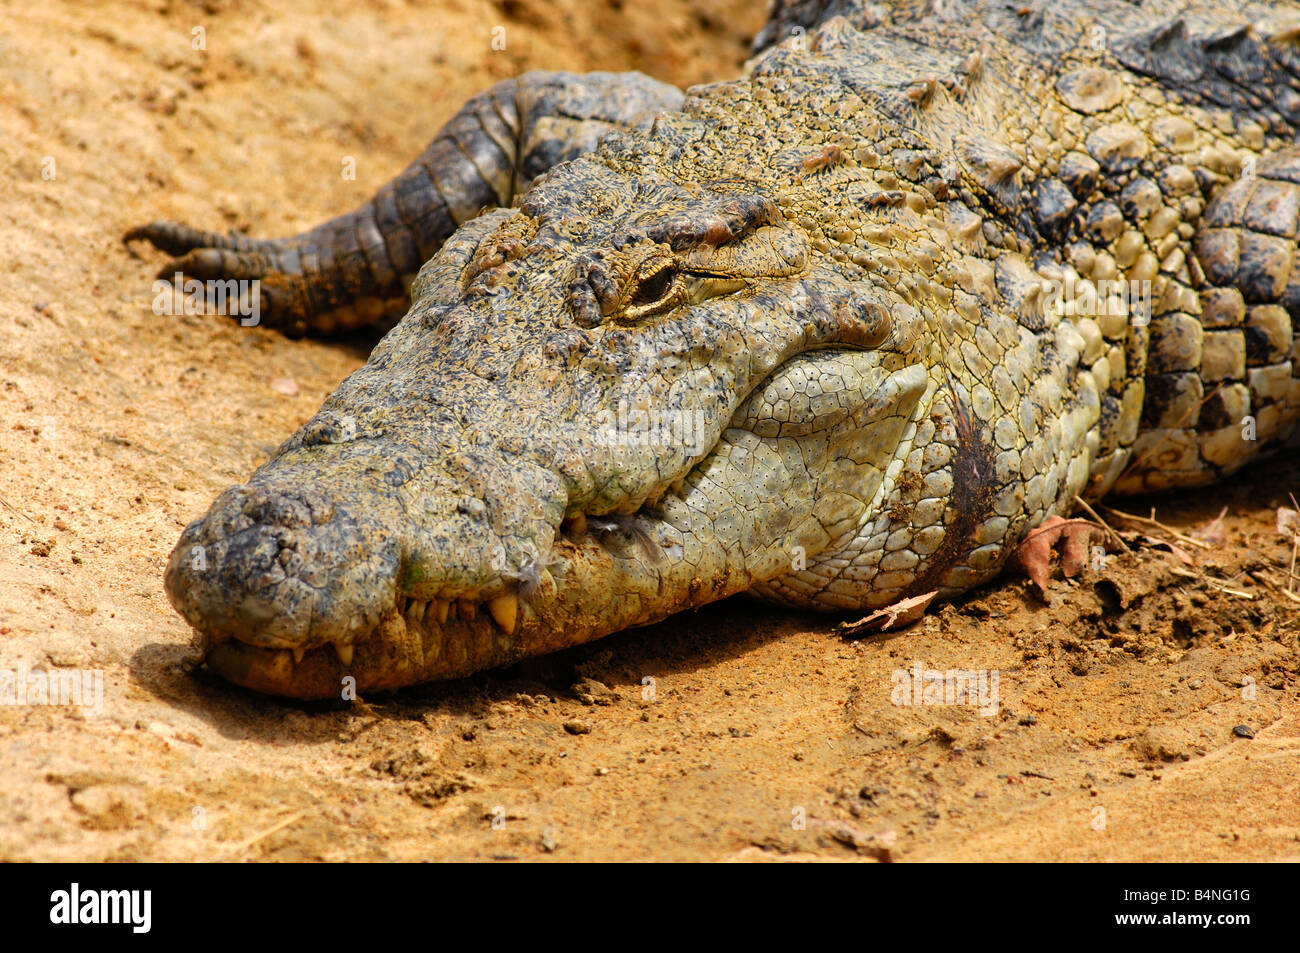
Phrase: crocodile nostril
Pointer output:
(277, 511)
(276, 508)
(283, 567)
(327, 428)
(264, 580)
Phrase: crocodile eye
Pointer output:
(655, 286)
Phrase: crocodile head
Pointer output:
(596, 413)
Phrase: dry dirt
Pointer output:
(1119, 695)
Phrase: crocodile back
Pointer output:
(1126, 167)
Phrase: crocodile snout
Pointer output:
(282, 568)
(373, 562)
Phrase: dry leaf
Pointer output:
(897, 616)
(1288, 521)
(1213, 531)
(1033, 557)
(1152, 542)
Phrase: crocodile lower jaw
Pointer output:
(420, 640)
(439, 638)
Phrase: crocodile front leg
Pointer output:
(356, 270)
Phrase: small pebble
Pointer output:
(285, 385)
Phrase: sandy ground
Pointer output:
(766, 735)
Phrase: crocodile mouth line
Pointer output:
(422, 616)
(453, 637)
(451, 632)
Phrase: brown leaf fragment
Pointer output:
(1033, 557)
(1288, 521)
(1074, 552)
(897, 616)
(1155, 542)
(1213, 532)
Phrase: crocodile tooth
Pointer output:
(280, 666)
(415, 611)
(297, 656)
(344, 651)
(468, 609)
(440, 608)
(505, 610)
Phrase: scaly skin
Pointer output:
(824, 286)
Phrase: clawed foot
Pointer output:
(258, 281)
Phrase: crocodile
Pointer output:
(834, 334)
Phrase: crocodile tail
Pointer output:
(356, 269)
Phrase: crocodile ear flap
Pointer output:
(842, 316)
(715, 223)
(593, 292)
(582, 302)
